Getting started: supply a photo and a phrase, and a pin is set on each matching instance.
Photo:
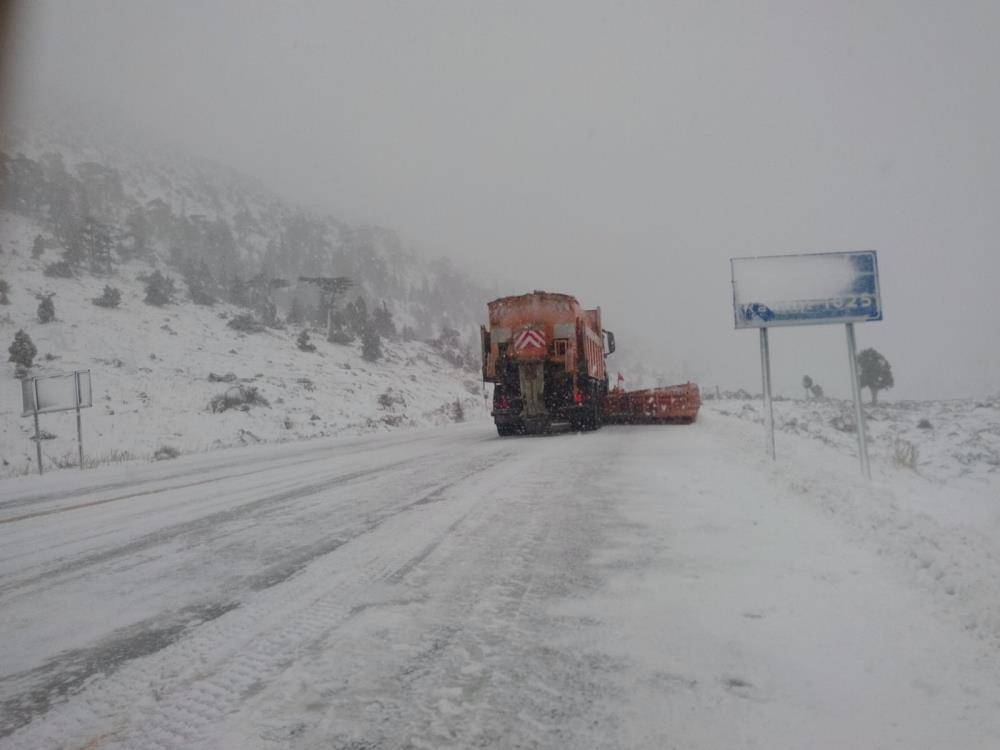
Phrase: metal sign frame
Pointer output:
(859, 302)
(82, 399)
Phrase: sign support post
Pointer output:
(859, 414)
(79, 422)
(765, 374)
(38, 429)
(807, 289)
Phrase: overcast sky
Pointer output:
(622, 152)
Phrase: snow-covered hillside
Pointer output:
(151, 369)
(203, 217)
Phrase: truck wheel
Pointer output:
(598, 419)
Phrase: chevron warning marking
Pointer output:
(529, 340)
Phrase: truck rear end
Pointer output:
(545, 356)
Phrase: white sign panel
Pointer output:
(56, 392)
(795, 290)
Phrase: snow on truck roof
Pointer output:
(534, 308)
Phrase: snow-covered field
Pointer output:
(150, 369)
(653, 587)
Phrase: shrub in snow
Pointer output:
(303, 343)
(111, 297)
(59, 270)
(924, 424)
(46, 309)
(816, 390)
(905, 454)
(240, 397)
(246, 323)
(340, 336)
(160, 289)
(388, 399)
(4, 288)
(229, 377)
(165, 452)
(842, 424)
(22, 351)
(458, 411)
(371, 344)
(38, 247)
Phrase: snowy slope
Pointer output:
(953, 439)
(150, 369)
(182, 197)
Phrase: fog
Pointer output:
(622, 152)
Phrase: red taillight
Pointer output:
(577, 397)
(504, 403)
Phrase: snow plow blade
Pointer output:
(677, 404)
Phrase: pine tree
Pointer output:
(97, 240)
(4, 289)
(238, 292)
(371, 344)
(137, 230)
(297, 312)
(160, 289)
(876, 372)
(199, 283)
(303, 342)
(356, 314)
(22, 351)
(807, 383)
(38, 248)
(382, 320)
(46, 309)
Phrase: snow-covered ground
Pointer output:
(653, 587)
(150, 369)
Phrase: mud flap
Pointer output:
(532, 376)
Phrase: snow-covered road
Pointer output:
(652, 587)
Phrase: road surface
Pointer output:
(638, 587)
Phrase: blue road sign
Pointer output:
(812, 289)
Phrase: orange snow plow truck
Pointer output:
(546, 355)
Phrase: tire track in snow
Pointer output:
(463, 666)
(161, 536)
(243, 662)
